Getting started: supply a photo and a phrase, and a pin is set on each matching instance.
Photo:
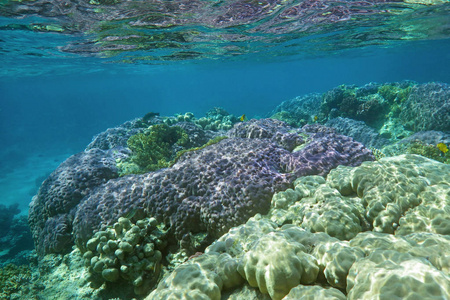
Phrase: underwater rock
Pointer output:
(427, 107)
(50, 215)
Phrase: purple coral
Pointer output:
(209, 190)
(221, 186)
(62, 191)
(275, 130)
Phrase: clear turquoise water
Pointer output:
(72, 69)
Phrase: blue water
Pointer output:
(58, 88)
(46, 118)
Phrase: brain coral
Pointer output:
(392, 187)
(199, 278)
(50, 214)
(275, 272)
(394, 275)
(414, 264)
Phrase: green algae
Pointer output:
(209, 143)
(152, 150)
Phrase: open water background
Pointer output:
(53, 101)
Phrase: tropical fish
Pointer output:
(130, 214)
(315, 118)
(149, 115)
(443, 147)
(243, 118)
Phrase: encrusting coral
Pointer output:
(12, 277)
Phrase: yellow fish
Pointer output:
(242, 118)
(315, 118)
(443, 147)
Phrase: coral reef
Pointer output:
(372, 264)
(16, 241)
(298, 111)
(126, 252)
(7, 214)
(375, 104)
(202, 277)
(208, 190)
(276, 272)
(427, 107)
(117, 136)
(388, 111)
(217, 187)
(305, 292)
(393, 274)
(427, 150)
(279, 212)
(12, 277)
(359, 131)
(152, 150)
(50, 214)
(15, 236)
(275, 130)
(216, 119)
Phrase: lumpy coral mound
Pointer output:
(394, 244)
(209, 190)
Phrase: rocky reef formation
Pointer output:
(390, 111)
(220, 186)
(271, 211)
(205, 193)
(427, 107)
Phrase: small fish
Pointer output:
(443, 147)
(242, 118)
(315, 118)
(149, 116)
(130, 214)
